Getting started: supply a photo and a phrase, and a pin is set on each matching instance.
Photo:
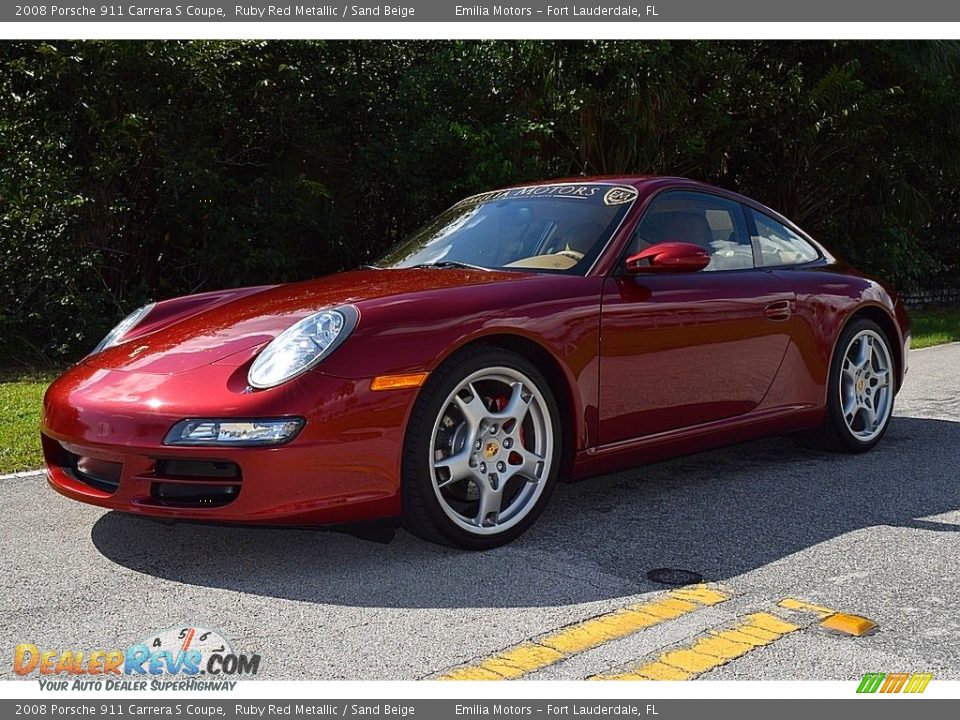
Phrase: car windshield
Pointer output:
(542, 228)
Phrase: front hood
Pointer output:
(231, 332)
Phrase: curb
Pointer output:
(21, 474)
(934, 347)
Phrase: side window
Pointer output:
(778, 244)
(715, 224)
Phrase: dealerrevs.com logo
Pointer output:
(909, 683)
(178, 658)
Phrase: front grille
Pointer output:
(193, 494)
(197, 469)
(195, 483)
(100, 474)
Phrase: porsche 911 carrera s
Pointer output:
(526, 335)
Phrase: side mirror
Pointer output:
(669, 257)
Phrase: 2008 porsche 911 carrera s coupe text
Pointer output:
(525, 335)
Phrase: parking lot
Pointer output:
(771, 527)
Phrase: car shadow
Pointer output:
(720, 513)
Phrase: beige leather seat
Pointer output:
(689, 227)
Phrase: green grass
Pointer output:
(21, 393)
(934, 327)
(21, 396)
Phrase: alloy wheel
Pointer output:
(491, 450)
(866, 390)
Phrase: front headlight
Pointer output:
(301, 346)
(122, 328)
(262, 431)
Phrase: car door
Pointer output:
(686, 348)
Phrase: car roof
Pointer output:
(648, 184)
(635, 180)
(645, 184)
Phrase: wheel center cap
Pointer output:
(491, 449)
(861, 384)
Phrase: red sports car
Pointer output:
(557, 330)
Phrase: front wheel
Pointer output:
(862, 389)
(481, 452)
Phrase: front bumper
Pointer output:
(102, 433)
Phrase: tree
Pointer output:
(138, 170)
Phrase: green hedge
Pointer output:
(139, 170)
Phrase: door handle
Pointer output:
(779, 310)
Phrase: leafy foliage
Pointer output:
(131, 171)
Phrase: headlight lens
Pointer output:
(122, 328)
(264, 431)
(301, 346)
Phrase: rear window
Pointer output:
(777, 244)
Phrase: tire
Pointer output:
(874, 385)
(482, 450)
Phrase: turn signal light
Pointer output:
(396, 382)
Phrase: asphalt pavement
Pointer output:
(876, 535)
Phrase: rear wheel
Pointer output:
(862, 389)
(482, 451)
